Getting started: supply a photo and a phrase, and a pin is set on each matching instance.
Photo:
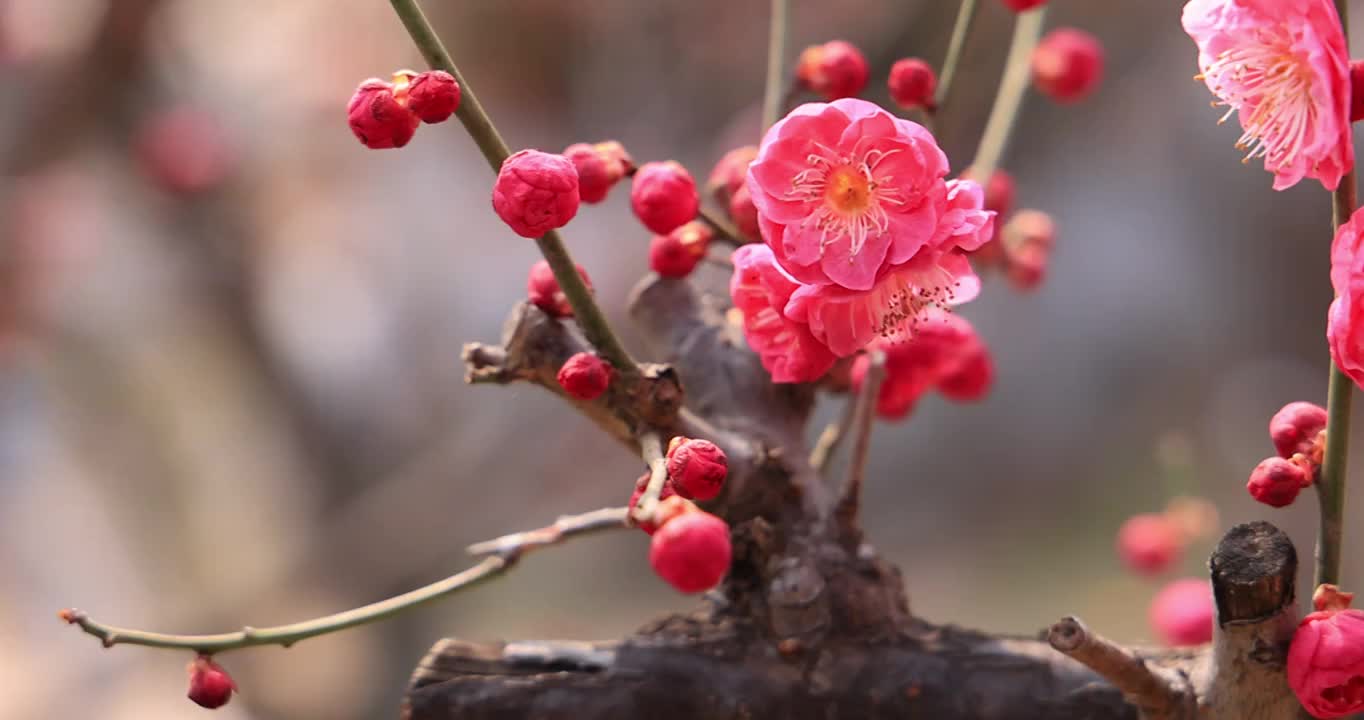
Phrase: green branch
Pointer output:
(774, 92)
(966, 16)
(1013, 86)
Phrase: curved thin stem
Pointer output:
(776, 63)
(502, 553)
(651, 449)
(966, 16)
(480, 127)
(864, 419)
(826, 446)
(1013, 86)
(724, 231)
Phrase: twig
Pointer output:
(832, 436)
(563, 528)
(651, 449)
(502, 553)
(776, 67)
(723, 229)
(1012, 88)
(966, 16)
(1144, 687)
(480, 127)
(863, 422)
(1339, 393)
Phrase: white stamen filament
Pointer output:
(1263, 75)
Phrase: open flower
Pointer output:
(1345, 319)
(844, 189)
(1326, 659)
(1283, 66)
(945, 351)
(761, 290)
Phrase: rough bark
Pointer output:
(810, 622)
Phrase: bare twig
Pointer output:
(480, 127)
(863, 422)
(724, 230)
(831, 438)
(776, 63)
(651, 449)
(1156, 695)
(565, 527)
(966, 16)
(1012, 88)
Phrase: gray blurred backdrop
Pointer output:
(246, 405)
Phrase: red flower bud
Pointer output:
(731, 173)
(973, 375)
(1356, 90)
(691, 552)
(835, 69)
(543, 291)
(1296, 427)
(536, 192)
(1276, 482)
(1021, 5)
(1182, 612)
(585, 376)
(999, 191)
(676, 254)
(663, 196)
(1068, 64)
(1325, 664)
(209, 685)
(618, 161)
(1026, 267)
(378, 119)
(433, 96)
(1149, 543)
(599, 166)
(911, 83)
(660, 513)
(184, 150)
(697, 468)
(744, 213)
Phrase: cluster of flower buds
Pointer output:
(690, 548)
(728, 185)
(386, 114)
(1325, 663)
(1151, 544)
(600, 166)
(945, 353)
(1021, 250)
(1298, 430)
(585, 376)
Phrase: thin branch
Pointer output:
(863, 422)
(832, 436)
(776, 63)
(1012, 88)
(563, 528)
(651, 449)
(966, 16)
(502, 553)
(1144, 687)
(724, 230)
(1339, 394)
(480, 127)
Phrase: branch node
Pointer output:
(1159, 697)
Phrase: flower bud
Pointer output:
(1295, 428)
(744, 213)
(543, 291)
(1276, 482)
(1195, 517)
(835, 69)
(999, 191)
(536, 192)
(1021, 5)
(1182, 612)
(598, 169)
(691, 552)
(663, 196)
(697, 468)
(1026, 267)
(585, 376)
(1067, 65)
(973, 375)
(664, 497)
(432, 96)
(676, 254)
(184, 150)
(209, 685)
(1356, 90)
(731, 173)
(1149, 544)
(1325, 664)
(378, 119)
(911, 83)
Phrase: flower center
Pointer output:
(1265, 81)
(849, 191)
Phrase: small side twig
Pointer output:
(863, 421)
(1013, 86)
(501, 554)
(966, 16)
(651, 450)
(1156, 695)
(773, 96)
(724, 230)
(831, 437)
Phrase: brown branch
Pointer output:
(1160, 696)
(832, 436)
(651, 450)
(563, 528)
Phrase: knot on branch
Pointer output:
(1253, 573)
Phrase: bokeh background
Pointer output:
(230, 386)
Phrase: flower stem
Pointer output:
(776, 67)
(864, 419)
(480, 127)
(966, 16)
(1013, 86)
(502, 554)
(651, 450)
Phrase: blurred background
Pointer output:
(230, 385)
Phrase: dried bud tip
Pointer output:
(1329, 597)
(70, 616)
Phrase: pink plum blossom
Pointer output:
(1345, 319)
(1283, 66)
(761, 290)
(945, 353)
